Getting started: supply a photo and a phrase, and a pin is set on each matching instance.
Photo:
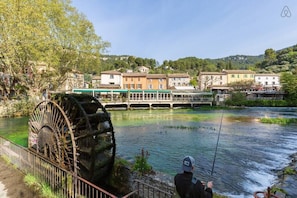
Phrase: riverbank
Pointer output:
(288, 182)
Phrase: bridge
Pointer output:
(149, 99)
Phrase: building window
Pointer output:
(232, 76)
(138, 86)
(138, 79)
(111, 76)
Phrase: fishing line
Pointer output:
(218, 139)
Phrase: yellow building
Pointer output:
(239, 75)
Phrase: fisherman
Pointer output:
(188, 186)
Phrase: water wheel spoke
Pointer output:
(74, 131)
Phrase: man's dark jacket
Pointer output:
(189, 187)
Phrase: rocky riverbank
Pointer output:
(288, 182)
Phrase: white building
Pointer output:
(268, 81)
(112, 77)
(210, 80)
(143, 69)
(177, 80)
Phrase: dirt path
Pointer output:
(12, 182)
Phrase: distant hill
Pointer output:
(283, 60)
(240, 61)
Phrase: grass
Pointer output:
(41, 188)
(280, 121)
(290, 171)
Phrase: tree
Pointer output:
(41, 31)
(289, 86)
(242, 85)
(270, 55)
(139, 61)
(194, 82)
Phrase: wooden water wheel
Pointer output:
(75, 132)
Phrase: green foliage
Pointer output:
(194, 82)
(51, 32)
(289, 86)
(43, 189)
(239, 99)
(281, 121)
(290, 171)
(24, 107)
(236, 99)
(270, 55)
(275, 189)
(124, 63)
(141, 163)
(284, 60)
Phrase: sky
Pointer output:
(173, 29)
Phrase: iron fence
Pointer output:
(146, 190)
(62, 182)
(65, 184)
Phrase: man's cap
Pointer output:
(188, 163)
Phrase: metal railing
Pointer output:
(148, 191)
(63, 183)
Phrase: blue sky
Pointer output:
(173, 29)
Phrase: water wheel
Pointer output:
(75, 132)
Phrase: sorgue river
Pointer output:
(245, 159)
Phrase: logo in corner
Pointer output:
(286, 12)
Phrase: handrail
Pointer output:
(267, 194)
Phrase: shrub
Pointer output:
(141, 163)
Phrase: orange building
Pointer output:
(156, 81)
(134, 81)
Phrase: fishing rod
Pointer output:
(218, 139)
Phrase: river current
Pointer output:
(231, 147)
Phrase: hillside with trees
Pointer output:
(270, 61)
(284, 60)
